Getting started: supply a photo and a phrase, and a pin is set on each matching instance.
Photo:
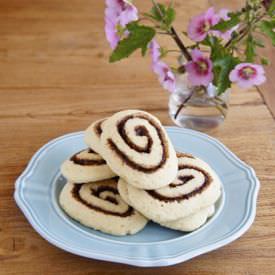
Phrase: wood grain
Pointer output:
(55, 78)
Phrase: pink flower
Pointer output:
(165, 75)
(247, 74)
(223, 15)
(128, 14)
(111, 33)
(200, 25)
(199, 69)
(154, 50)
(118, 14)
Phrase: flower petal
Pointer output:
(196, 54)
(118, 13)
(233, 76)
(260, 80)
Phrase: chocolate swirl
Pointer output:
(185, 155)
(87, 161)
(140, 130)
(98, 127)
(183, 180)
(98, 190)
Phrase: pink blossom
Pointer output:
(122, 11)
(223, 15)
(128, 14)
(165, 75)
(111, 33)
(154, 50)
(247, 74)
(118, 14)
(199, 69)
(200, 25)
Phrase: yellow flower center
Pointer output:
(202, 65)
(247, 72)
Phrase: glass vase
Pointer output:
(197, 107)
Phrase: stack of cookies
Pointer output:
(130, 173)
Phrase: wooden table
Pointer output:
(55, 79)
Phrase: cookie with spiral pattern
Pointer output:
(186, 224)
(196, 186)
(138, 149)
(193, 221)
(86, 166)
(99, 206)
(92, 135)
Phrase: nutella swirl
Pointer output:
(93, 134)
(185, 155)
(140, 130)
(105, 191)
(185, 175)
(195, 187)
(98, 127)
(87, 157)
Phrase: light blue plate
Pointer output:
(37, 190)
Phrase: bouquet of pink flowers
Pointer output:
(223, 49)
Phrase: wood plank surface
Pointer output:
(55, 78)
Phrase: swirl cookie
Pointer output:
(123, 191)
(86, 166)
(92, 135)
(137, 148)
(196, 187)
(193, 221)
(98, 205)
(186, 224)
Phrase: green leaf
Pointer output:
(158, 12)
(221, 69)
(268, 28)
(169, 16)
(265, 61)
(250, 50)
(226, 25)
(271, 8)
(259, 42)
(163, 52)
(164, 15)
(138, 38)
(217, 49)
(148, 15)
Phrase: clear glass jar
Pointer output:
(197, 108)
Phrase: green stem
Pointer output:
(244, 31)
(220, 109)
(220, 105)
(183, 104)
(180, 44)
(165, 33)
(175, 36)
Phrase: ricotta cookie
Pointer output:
(86, 166)
(193, 221)
(196, 187)
(138, 149)
(92, 135)
(99, 206)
